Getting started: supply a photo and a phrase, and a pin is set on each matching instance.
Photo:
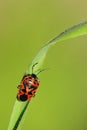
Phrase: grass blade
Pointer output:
(18, 111)
(20, 107)
(75, 31)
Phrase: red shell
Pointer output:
(27, 87)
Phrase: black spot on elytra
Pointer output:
(23, 97)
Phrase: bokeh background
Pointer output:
(25, 26)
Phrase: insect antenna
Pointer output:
(33, 67)
(42, 70)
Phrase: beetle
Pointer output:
(28, 86)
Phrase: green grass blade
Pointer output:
(17, 113)
(20, 107)
(75, 31)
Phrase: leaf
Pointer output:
(75, 31)
(20, 107)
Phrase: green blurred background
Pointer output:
(25, 26)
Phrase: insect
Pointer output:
(28, 86)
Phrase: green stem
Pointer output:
(17, 114)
